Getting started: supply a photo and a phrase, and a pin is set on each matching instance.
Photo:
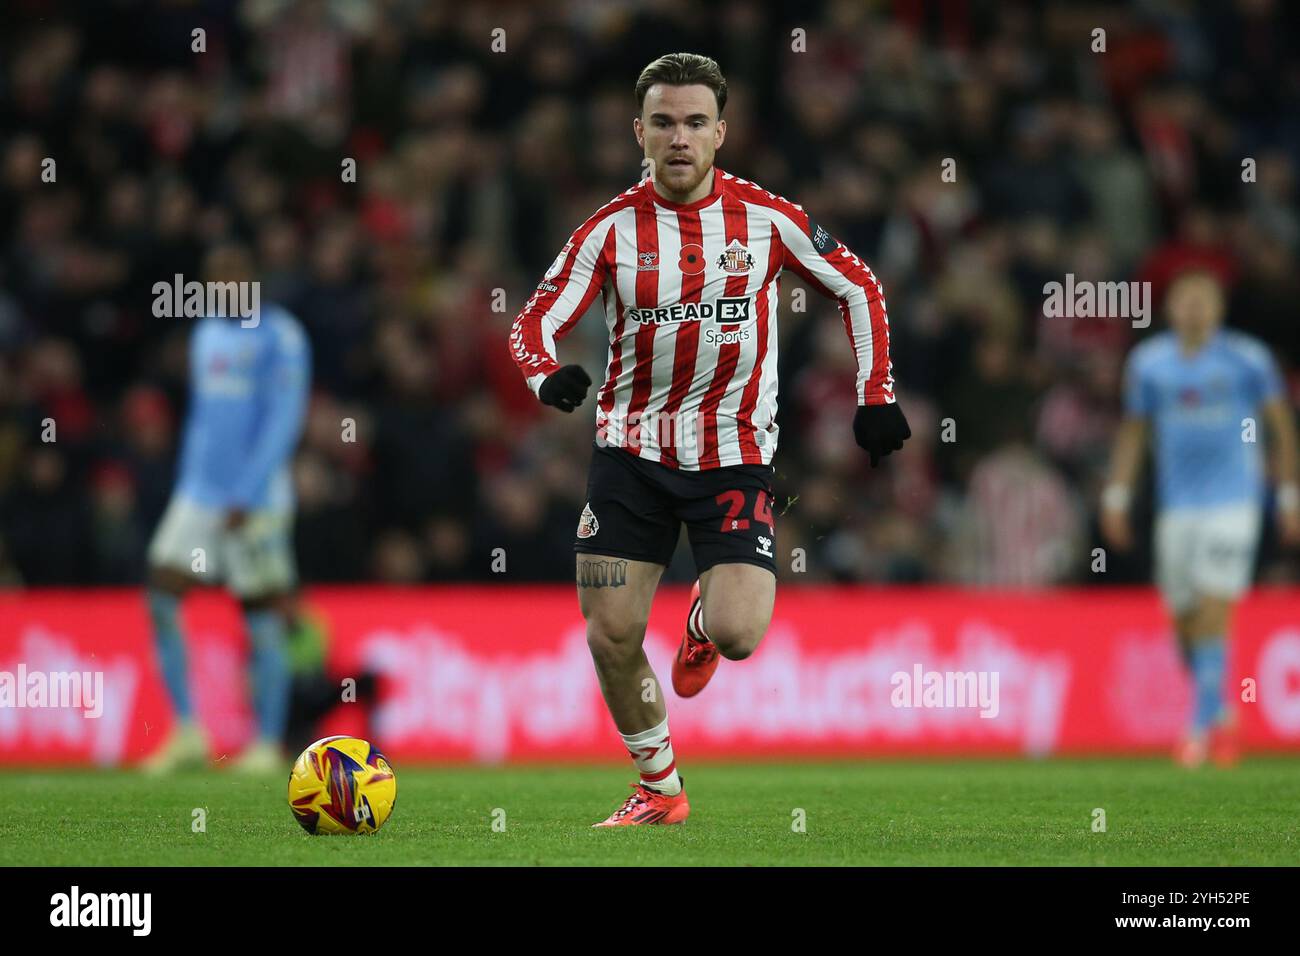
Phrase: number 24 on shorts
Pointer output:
(735, 502)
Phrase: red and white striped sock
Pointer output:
(652, 753)
(695, 623)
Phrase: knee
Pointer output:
(256, 605)
(168, 581)
(1210, 621)
(614, 643)
(283, 604)
(734, 639)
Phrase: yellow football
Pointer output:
(342, 785)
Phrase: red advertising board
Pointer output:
(491, 674)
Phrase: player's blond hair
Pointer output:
(683, 69)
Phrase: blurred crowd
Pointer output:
(484, 133)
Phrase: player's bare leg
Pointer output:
(1184, 629)
(737, 603)
(1190, 751)
(271, 678)
(186, 746)
(731, 607)
(1209, 654)
(615, 596)
(1202, 632)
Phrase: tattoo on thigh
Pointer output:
(601, 574)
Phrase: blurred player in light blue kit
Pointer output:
(230, 517)
(1206, 395)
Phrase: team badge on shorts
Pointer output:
(587, 524)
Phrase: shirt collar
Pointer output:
(711, 198)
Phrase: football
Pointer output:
(342, 785)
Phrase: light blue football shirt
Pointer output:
(248, 398)
(1196, 405)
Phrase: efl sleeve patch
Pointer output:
(822, 240)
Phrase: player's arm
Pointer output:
(832, 270)
(1270, 397)
(287, 384)
(1126, 459)
(561, 299)
(1282, 449)
(198, 359)
(1128, 452)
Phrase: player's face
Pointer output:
(228, 263)
(1195, 307)
(679, 130)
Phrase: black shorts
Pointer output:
(635, 509)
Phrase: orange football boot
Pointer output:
(1225, 748)
(645, 807)
(696, 660)
(1190, 752)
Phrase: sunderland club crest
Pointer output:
(736, 259)
(587, 524)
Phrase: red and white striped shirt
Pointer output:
(690, 294)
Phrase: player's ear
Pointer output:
(719, 133)
(638, 129)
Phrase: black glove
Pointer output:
(566, 388)
(880, 429)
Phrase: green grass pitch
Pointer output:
(864, 813)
